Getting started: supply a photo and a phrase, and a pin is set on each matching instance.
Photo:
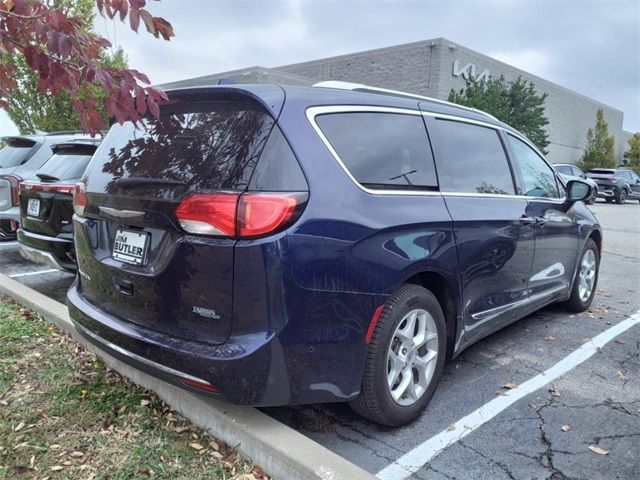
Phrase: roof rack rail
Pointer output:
(359, 87)
(75, 132)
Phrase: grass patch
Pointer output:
(65, 415)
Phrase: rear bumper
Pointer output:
(247, 369)
(53, 251)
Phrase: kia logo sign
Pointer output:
(469, 70)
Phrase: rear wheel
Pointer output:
(609, 199)
(585, 280)
(622, 196)
(405, 358)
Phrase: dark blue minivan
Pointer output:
(285, 245)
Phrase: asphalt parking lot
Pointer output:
(583, 424)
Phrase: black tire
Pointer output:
(575, 304)
(621, 197)
(375, 401)
(609, 199)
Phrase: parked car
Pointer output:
(286, 245)
(46, 206)
(571, 172)
(20, 159)
(619, 184)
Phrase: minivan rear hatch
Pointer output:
(135, 260)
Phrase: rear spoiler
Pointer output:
(85, 145)
(19, 141)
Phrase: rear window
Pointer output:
(382, 150)
(211, 145)
(66, 163)
(598, 171)
(16, 152)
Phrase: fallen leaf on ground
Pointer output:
(549, 338)
(144, 403)
(622, 376)
(619, 342)
(598, 450)
(554, 392)
(77, 454)
(56, 468)
(196, 446)
(451, 427)
(181, 429)
(565, 428)
(214, 445)
(509, 385)
(19, 427)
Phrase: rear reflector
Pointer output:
(79, 199)
(372, 324)
(200, 385)
(246, 215)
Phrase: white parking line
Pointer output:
(417, 458)
(26, 274)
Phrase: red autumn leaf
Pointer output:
(64, 55)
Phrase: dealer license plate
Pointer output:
(131, 247)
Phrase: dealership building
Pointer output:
(433, 68)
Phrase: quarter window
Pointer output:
(475, 160)
(382, 150)
(538, 177)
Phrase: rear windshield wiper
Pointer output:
(133, 181)
(402, 186)
(47, 178)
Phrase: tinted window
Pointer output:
(382, 149)
(475, 160)
(538, 178)
(66, 163)
(278, 169)
(15, 153)
(565, 169)
(198, 145)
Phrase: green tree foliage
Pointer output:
(516, 103)
(31, 109)
(632, 155)
(600, 149)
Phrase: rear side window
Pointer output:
(66, 163)
(475, 160)
(211, 145)
(16, 152)
(382, 150)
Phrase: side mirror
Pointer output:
(578, 190)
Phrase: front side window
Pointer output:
(564, 169)
(382, 150)
(538, 177)
(475, 160)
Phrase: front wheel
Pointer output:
(585, 280)
(405, 358)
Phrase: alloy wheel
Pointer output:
(412, 357)
(587, 275)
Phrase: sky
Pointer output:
(591, 47)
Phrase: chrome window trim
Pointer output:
(313, 112)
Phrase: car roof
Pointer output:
(321, 95)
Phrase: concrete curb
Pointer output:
(280, 450)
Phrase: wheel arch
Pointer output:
(440, 286)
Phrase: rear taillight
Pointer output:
(213, 214)
(43, 187)
(14, 182)
(79, 199)
(245, 215)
